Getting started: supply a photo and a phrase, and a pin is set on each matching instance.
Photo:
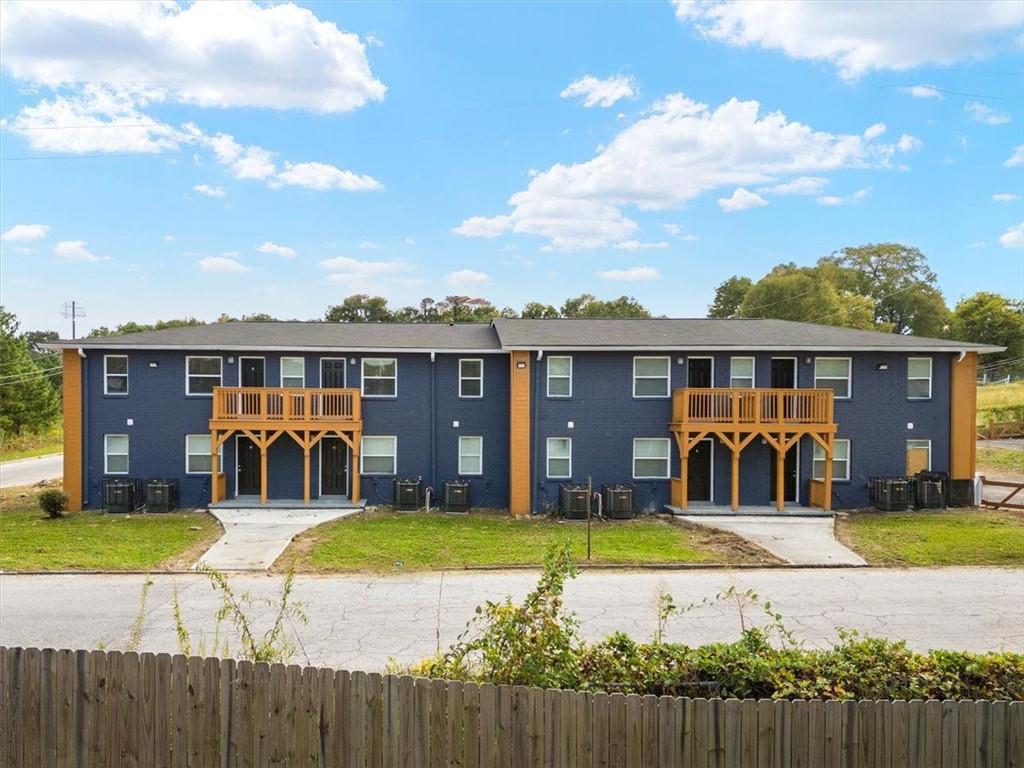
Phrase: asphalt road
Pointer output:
(29, 471)
(360, 623)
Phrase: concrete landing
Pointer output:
(797, 540)
(255, 537)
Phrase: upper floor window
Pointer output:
(741, 372)
(202, 374)
(651, 458)
(115, 454)
(834, 373)
(559, 457)
(471, 455)
(293, 371)
(919, 378)
(650, 377)
(560, 376)
(380, 377)
(115, 374)
(471, 377)
(378, 455)
(840, 460)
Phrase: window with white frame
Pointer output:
(115, 454)
(380, 377)
(741, 372)
(115, 374)
(919, 378)
(834, 373)
(919, 456)
(560, 376)
(202, 375)
(378, 455)
(293, 372)
(197, 455)
(840, 460)
(559, 457)
(471, 455)
(650, 458)
(650, 377)
(471, 377)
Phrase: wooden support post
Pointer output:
(357, 439)
(684, 472)
(829, 447)
(780, 464)
(736, 476)
(263, 466)
(305, 463)
(73, 416)
(214, 468)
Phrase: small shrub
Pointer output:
(53, 502)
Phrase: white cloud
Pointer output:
(1017, 158)
(803, 185)
(856, 197)
(76, 250)
(343, 267)
(225, 264)
(321, 176)
(466, 278)
(921, 91)
(367, 245)
(596, 92)
(250, 162)
(239, 54)
(631, 275)
(209, 190)
(1005, 197)
(982, 113)
(677, 231)
(639, 245)
(874, 131)
(859, 37)
(169, 238)
(1013, 237)
(23, 233)
(740, 200)
(276, 250)
(678, 151)
(908, 143)
(409, 241)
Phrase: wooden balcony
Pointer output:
(284, 408)
(746, 408)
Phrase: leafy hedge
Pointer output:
(536, 643)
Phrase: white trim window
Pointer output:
(921, 445)
(380, 377)
(835, 373)
(651, 376)
(840, 460)
(115, 374)
(378, 455)
(115, 454)
(651, 458)
(197, 455)
(471, 377)
(471, 455)
(559, 376)
(293, 372)
(741, 372)
(919, 378)
(202, 374)
(559, 458)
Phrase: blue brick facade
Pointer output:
(427, 416)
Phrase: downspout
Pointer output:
(534, 437)
(86, 473)
(433, 421)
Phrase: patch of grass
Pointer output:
(376, 541)
(29, 541)
(1000, 402)
(27, 446)
(952, 537)
(1000, 460)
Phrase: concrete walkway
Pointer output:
(254, 538)
(31, 471)
(797, 540)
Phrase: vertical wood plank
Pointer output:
(65, 708)
(701, 732)
(520, 726)
(95, 697)
(48, 707)
(966, 737)
(130, 711)
(765, 733)
(932, 734)
(240, 746)
(490, 732)
(851, 733)
(1015, 743)
(357, 720)
(799, 717)
(866, 734)
(900, 735)
(506, 724)
(833, 734)
(783, 750)
(471, 725)
(327, 730)
(668, 737)
(438, 724)
(997, 749)
(31, 732)
(600, 729)
(567, 728)
(983, 733)
(407, 726)
(375, 720)
(277, 736)
(716, 734)
(260, 708)
(584, 730)
(816, 739)
(616, 729)
(550, 730)
(950, 726)
(422, 722)
(634, 731)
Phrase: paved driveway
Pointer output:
(362, 622)
(796, 540)
(29, 471)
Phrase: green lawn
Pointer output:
(27, 446)
(1000, 402)
(378, 541)
(1000, 460)
(29, 541)
(955, 537)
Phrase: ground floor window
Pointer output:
(115, 454)
(840, 460)
(378, 456)
(650, 458)
(197, 455)
(471, 455)
(559, 457)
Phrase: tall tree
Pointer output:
(792, 293)
(45, 359)
(28, 402)
(729, 296)
(587, 305)
(535, 310)
(989, 318)
(359, 308)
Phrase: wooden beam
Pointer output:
(684, 472)
(693, 442)
(214, 468)
(305, 475)
(263, 467)
(519, 502)
(735, 480)
(829, 448)
(354, 474)
(273, 437)
(963, 408)
(74, 481)
(780, 486)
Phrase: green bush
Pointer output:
(53, 502)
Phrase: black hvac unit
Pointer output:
(961, 493)
(572, 501)
(930, 490)
(119, 496)
(408, 495)
(891, 494)
(618, 501)
(161, 495)
(456, 496)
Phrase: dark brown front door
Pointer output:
(698, 372)
(248, 467)
(788, 475)
(333, 467)
(332, 373)
(252, 371)
(698, 472)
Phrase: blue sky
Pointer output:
(162, 161)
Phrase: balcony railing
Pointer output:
(285, 405)
(752, 406)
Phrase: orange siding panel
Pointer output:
(519, 434)
(963, 399)
(73, 429)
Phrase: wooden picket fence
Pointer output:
(94, 708)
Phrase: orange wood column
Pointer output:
(73, 429)
(519, 434)
(830, 442)
(263, 464)
(736, 475)
(214, 468)
(357, 439)
(963, 398)
(780, 465)
(305, 467)
(684, 472)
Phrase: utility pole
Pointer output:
(72, 311)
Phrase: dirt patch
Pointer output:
(732, 548)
